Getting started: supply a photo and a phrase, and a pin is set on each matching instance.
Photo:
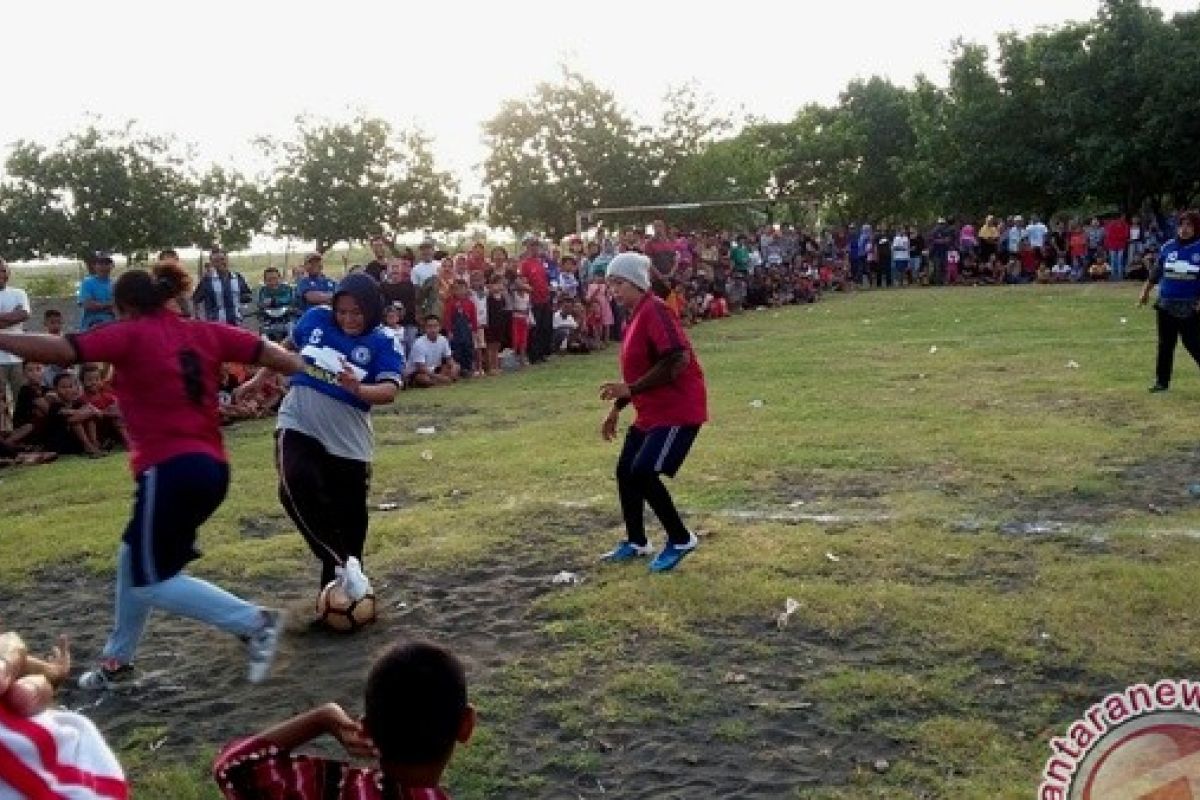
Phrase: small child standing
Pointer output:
(600, 311)
(520, 305)
(461, 321)
(415, 713)
(496, 332)
(479, 296)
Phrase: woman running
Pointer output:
(663, 381)
(167, 370)
(324, 442)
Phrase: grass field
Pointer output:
(978, 508)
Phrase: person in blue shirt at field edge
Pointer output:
(315, 288)
(96, 293)
(1177, 274)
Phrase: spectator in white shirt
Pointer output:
(431, 362)
(900, 257)
(14, 310)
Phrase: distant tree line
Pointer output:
(1102, 115)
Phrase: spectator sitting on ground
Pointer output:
(70, 422)
(1061, 272)
(568, 330)
(1099, 269)
(432, 363)
(415, 712)
(31, 408)
(110, 428)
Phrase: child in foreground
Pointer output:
(416, 710)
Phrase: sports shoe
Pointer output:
(672, 554)
(106, 673)
(263, 644)
(1158, 387)
(627, 551)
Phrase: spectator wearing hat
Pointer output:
(315, 288)
(96, 293)
(222, 292)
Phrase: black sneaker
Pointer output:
(1158, 387)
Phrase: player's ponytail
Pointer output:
(141, 292)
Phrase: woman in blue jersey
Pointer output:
(1177, 274)
(324, 441)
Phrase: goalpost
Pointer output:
(586, 215)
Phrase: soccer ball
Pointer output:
(340, 613)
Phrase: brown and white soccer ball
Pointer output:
(340, 613)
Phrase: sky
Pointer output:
(219, 73)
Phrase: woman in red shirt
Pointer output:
(166, 372)
(663, 381)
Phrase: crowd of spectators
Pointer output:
(480, 312)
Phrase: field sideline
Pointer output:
(980, 511)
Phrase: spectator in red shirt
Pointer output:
(166, 373)
(533, 269)
(416, 712)
(661, 377)
(1116, 241)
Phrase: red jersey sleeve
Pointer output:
(108, 343)
(237, 345)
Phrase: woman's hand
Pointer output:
(608, 428)
(614, 391)
(348, 380)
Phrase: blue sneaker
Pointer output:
(627, 551)
(672, 554)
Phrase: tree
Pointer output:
(348, 181)
(100, 189)
(229, 208)
(566, 147)
(688, 128)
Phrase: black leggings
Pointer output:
(644, 456)
(325, 495)
(1171, 329)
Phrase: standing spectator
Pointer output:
(315, 288)
(968, 241)
(900, 258)
(222, 291)
(14, 310)
(533, 270)
(1036, 234)
(96, 294)
(663, 258)
(377, 266)
(426, 266)
(1077, 247)
(1095, 238)
(1015, 235)
(940, 242)
(461, 319)
(1178, 293)
(989, 239)
(1116, 240)
(398, 289)
(916, 253)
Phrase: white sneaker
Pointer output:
(262, 645)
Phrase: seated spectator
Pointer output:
(276, 303)
(70, 422)
(231, 408)
(1061, 271)
(29, 729)
(415, 712)
(1099, 269)
(1140, 269)
(110, 427)
(568, 328)
(31, 407)
(432, 363)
